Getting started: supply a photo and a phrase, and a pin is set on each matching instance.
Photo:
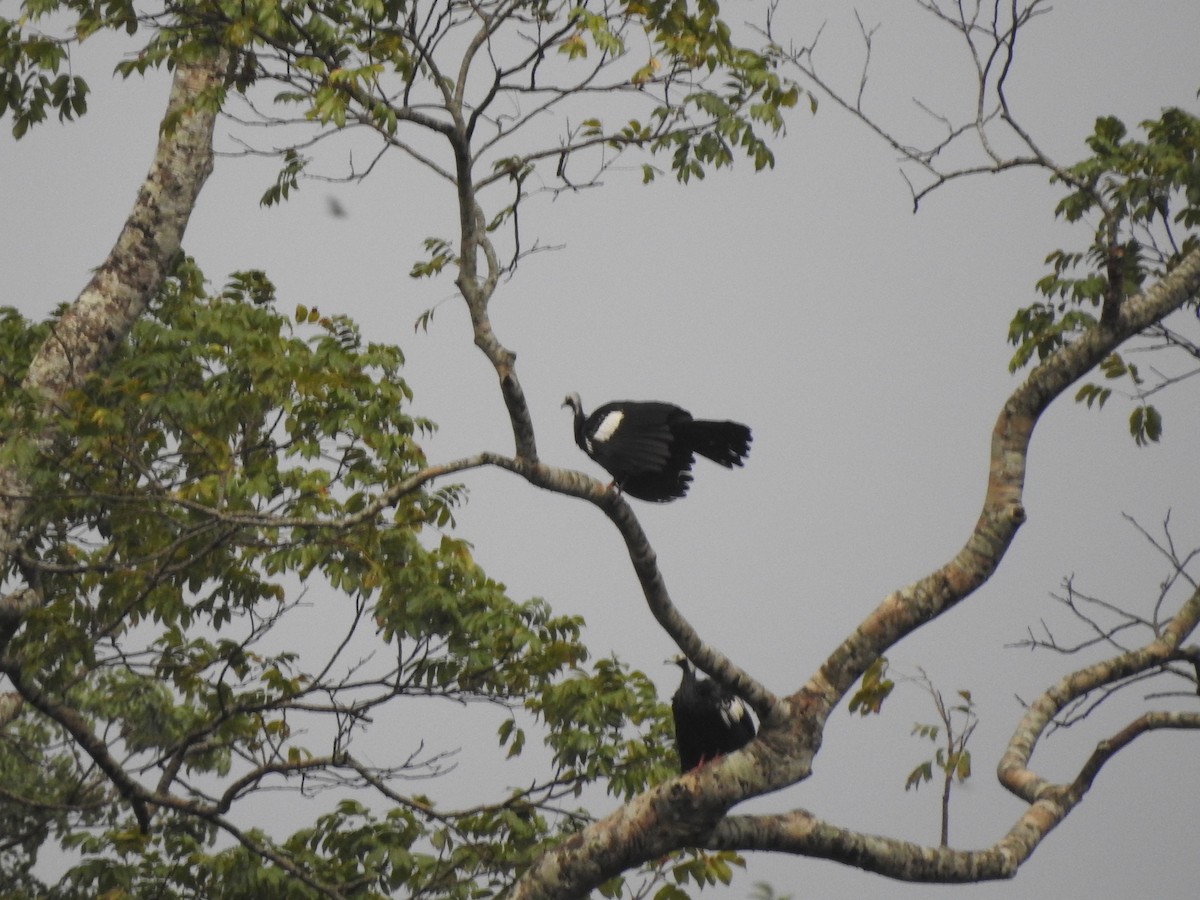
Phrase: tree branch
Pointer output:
(82, 734)
(801, 833)
(1013, 769)
(791, 733)
(100, 318)
(984, 60)
(1003, 510)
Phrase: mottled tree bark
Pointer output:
(691, 810)
(100, 318)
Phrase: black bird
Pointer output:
(649, 447)
(709, 721)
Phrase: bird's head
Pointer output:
(678, 660)
(573, 401)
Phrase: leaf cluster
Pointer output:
(604, 725)
(31, 81)
(874, 688)
(385, 64)
(1141, 201)
(953, 759)
(702, 868)
(229, 457)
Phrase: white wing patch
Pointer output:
(733, 711)
(608, 426)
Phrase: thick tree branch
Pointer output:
(83, 735)
(675, 814)
(1013, 769)
(1003, 510)
(1157, 720)
(791, 734)
(100, 318)
(128, 279)
(801, 833)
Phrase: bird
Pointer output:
(649, 447)
(709, 721)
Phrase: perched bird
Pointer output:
(709, 721)
(649, 447)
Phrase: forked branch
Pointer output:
(989, 35)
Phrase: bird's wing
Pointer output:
(734, 712)
(631, 440)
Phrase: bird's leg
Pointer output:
(704, 760)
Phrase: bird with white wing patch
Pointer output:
(649, 447)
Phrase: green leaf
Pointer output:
(918, 776)
(962, 768)
(574, 47)
(1092, 393)
(873, 689)
(1145, 424)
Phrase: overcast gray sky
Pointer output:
(864, 345)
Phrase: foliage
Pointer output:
(226, 458)
(873, 689)
(954, 762)
(31, 80)
(690, 91)
(1141, 199)
(172, 670)
(955, 725)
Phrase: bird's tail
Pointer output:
(726, 443)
